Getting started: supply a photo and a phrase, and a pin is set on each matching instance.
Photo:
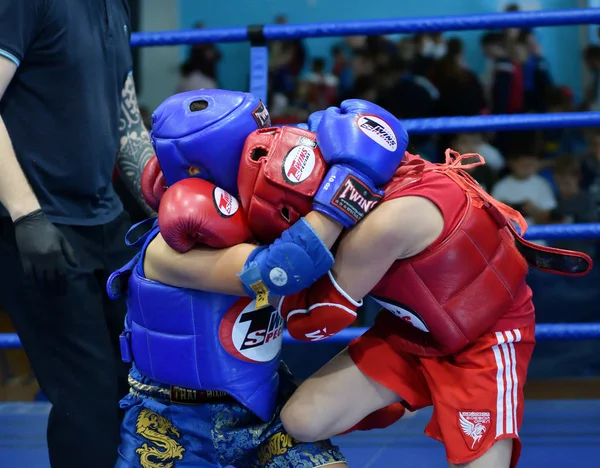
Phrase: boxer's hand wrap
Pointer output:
(346, 195)
(318, 312)
(292, 263)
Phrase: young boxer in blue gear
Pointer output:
(207, 383)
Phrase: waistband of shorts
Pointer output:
(143, 387)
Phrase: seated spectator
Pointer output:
(425, 51)
(590, 159)
(363, 64)
(407, 50)
(591, 57)
(199, 71)
(342, 70)
(191, 78)
(466, 143)
(537, 79)
(321, 86)
(558, 141)
(512, 34)
(478, 144)
(574, 203)
(365, 88)
(381, 49)
(506, 94)
(411, 96)
(523, 188)
(461, 93)
(286, 61)
(439, 45)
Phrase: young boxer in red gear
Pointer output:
(456, 329)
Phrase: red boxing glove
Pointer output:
(318, 312)
(154, 183)
(195, 212)
(379, 419)
(280, 171)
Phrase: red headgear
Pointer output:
(280, 171)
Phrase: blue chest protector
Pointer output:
(199, 340)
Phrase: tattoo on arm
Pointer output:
(135, 148)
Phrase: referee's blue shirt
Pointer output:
(62, 107)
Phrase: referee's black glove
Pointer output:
(45, 252)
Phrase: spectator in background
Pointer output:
(286, 62)
(466, 143)
(381, 48)
(363, 65)
(425, 54)
(523, 188)
(590, 163)
(200, 69)
(478, 144)
(574, 203)
(319, 87)
(590, 158)
(407, 49)
(409, 95)
(591, 57)
(511, 34)
(342, 70)
(506, 94)
(560, 140)
(460, 92)
(191, 78)
(537, 80)
(365, 88)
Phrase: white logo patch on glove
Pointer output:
(298, 164)
(225, 203)
(278, 276)
(379, 131)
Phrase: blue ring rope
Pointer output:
(526, 19)
(502, 122)
(543, 332)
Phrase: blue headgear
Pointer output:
(202, 134)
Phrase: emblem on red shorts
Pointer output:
(474, 426)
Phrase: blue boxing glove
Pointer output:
(364, 144)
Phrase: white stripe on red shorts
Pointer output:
(507, 382)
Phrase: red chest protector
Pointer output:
(448, 295)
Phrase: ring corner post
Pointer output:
(259, 62)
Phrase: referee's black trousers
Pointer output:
(72, 342)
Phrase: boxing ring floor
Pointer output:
(555, 434)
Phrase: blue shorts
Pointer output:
(157, 433)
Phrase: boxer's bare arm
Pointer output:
(396, 229)
(216, 270)
(326, 228)
(202, 268)
(399, 228)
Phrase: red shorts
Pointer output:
(477, 394)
